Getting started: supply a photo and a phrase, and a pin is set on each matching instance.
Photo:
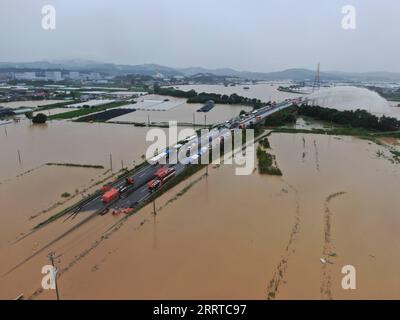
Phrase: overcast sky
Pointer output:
(255, 35)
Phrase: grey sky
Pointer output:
(255, 35)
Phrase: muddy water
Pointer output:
(26, 201)
(184, 113)
(68, 142)
(29, 103)
(340, 97)
(54, 111)
(345, 179)
(245, 237)
(30, 194)
(352, 98)
(263, 91)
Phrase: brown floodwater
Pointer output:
(50, 112)
(29, 103)
(265, 91)
(30, 194)
(182, 113)
(239, 236)
(68, 142)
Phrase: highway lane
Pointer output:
(142, 193)
(140, 178)
(139, 192)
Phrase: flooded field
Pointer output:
(68, 142)
(340, 97)
(394, 110)
(228, 236)
(351, 98)
(51, 112)
(263, 91)
(29, 104)
(28, 196)
(182, 113)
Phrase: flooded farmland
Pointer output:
(185, 113)
(68, 142)
(243, 237)
(29, 103)
(339, 97)
(250, 237)
(265, 91)
(351, 98)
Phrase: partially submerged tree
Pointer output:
(29, 115)
(39, 118)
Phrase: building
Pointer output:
(6, 112)
(25, 75)
(74, 75)
(94, 76)
(53, 75)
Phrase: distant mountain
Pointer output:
(368, 76)
(150, 69)
(154, 69)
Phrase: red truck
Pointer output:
(110, 195)
(106, 187)
(162, 175)
(163, 171)
(128, 182)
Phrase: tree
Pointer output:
(29, 115)
(39, 118)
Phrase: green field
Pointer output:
(85, 111)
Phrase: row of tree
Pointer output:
(356, 119)
(193, 97)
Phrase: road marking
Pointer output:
(141, 199)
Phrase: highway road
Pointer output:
(134, 195)
(139, 192)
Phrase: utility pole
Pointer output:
(205, 121)
(111, 163)
(5, 129)
(19, 157)
(194, 121)
(154, 207)
(55, 271)
(148, 120)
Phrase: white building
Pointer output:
(25, 75)
(74, 75)
(94, 76)
(53, 75)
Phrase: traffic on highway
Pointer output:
(129, 192)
